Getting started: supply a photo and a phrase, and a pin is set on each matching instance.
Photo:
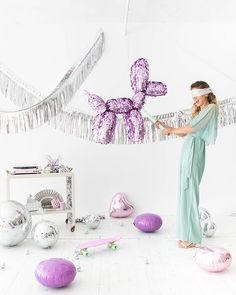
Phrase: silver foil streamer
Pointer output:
(36, 109)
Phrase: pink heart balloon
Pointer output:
(213, 259)
(120, 206)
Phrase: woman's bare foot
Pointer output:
(187, 245)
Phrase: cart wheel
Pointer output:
(66, 221)
(72, 229)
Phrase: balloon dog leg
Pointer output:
(134, 125)
(104, 127)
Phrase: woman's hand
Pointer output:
(157, 123)
(168, 130)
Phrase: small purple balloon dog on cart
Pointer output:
(105, 121)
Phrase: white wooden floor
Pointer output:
(143, 264)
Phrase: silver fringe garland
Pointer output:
(80, 124)
(53, 109)
(38, 110)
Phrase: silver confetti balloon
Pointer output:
(92, 221)
(15, 223)
(208, 228)
(204, 214)
(45, 234)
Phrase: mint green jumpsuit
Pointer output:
(192, 163)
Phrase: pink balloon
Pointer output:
(120, 206)
(213, 259)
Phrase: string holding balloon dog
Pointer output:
(105, 121)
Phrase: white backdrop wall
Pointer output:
(178, 54)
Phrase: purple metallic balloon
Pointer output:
(120, 206)
(105, 122)
(55, 272)
(96, 102)
(156, 88)
(120, 105)
(134, 125)
(139, 75)
(138, 100)
(148, 222)
(213, 259)
(103, 127)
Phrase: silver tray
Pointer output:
(46, 196)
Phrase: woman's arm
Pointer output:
(179, 131)
(182, 134)
(182, 131)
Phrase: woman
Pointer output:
(201, 131)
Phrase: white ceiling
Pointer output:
(163, 11)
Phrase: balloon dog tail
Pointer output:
(96, 102)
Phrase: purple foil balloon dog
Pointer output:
(105, 122)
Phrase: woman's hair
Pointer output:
(210, 97)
